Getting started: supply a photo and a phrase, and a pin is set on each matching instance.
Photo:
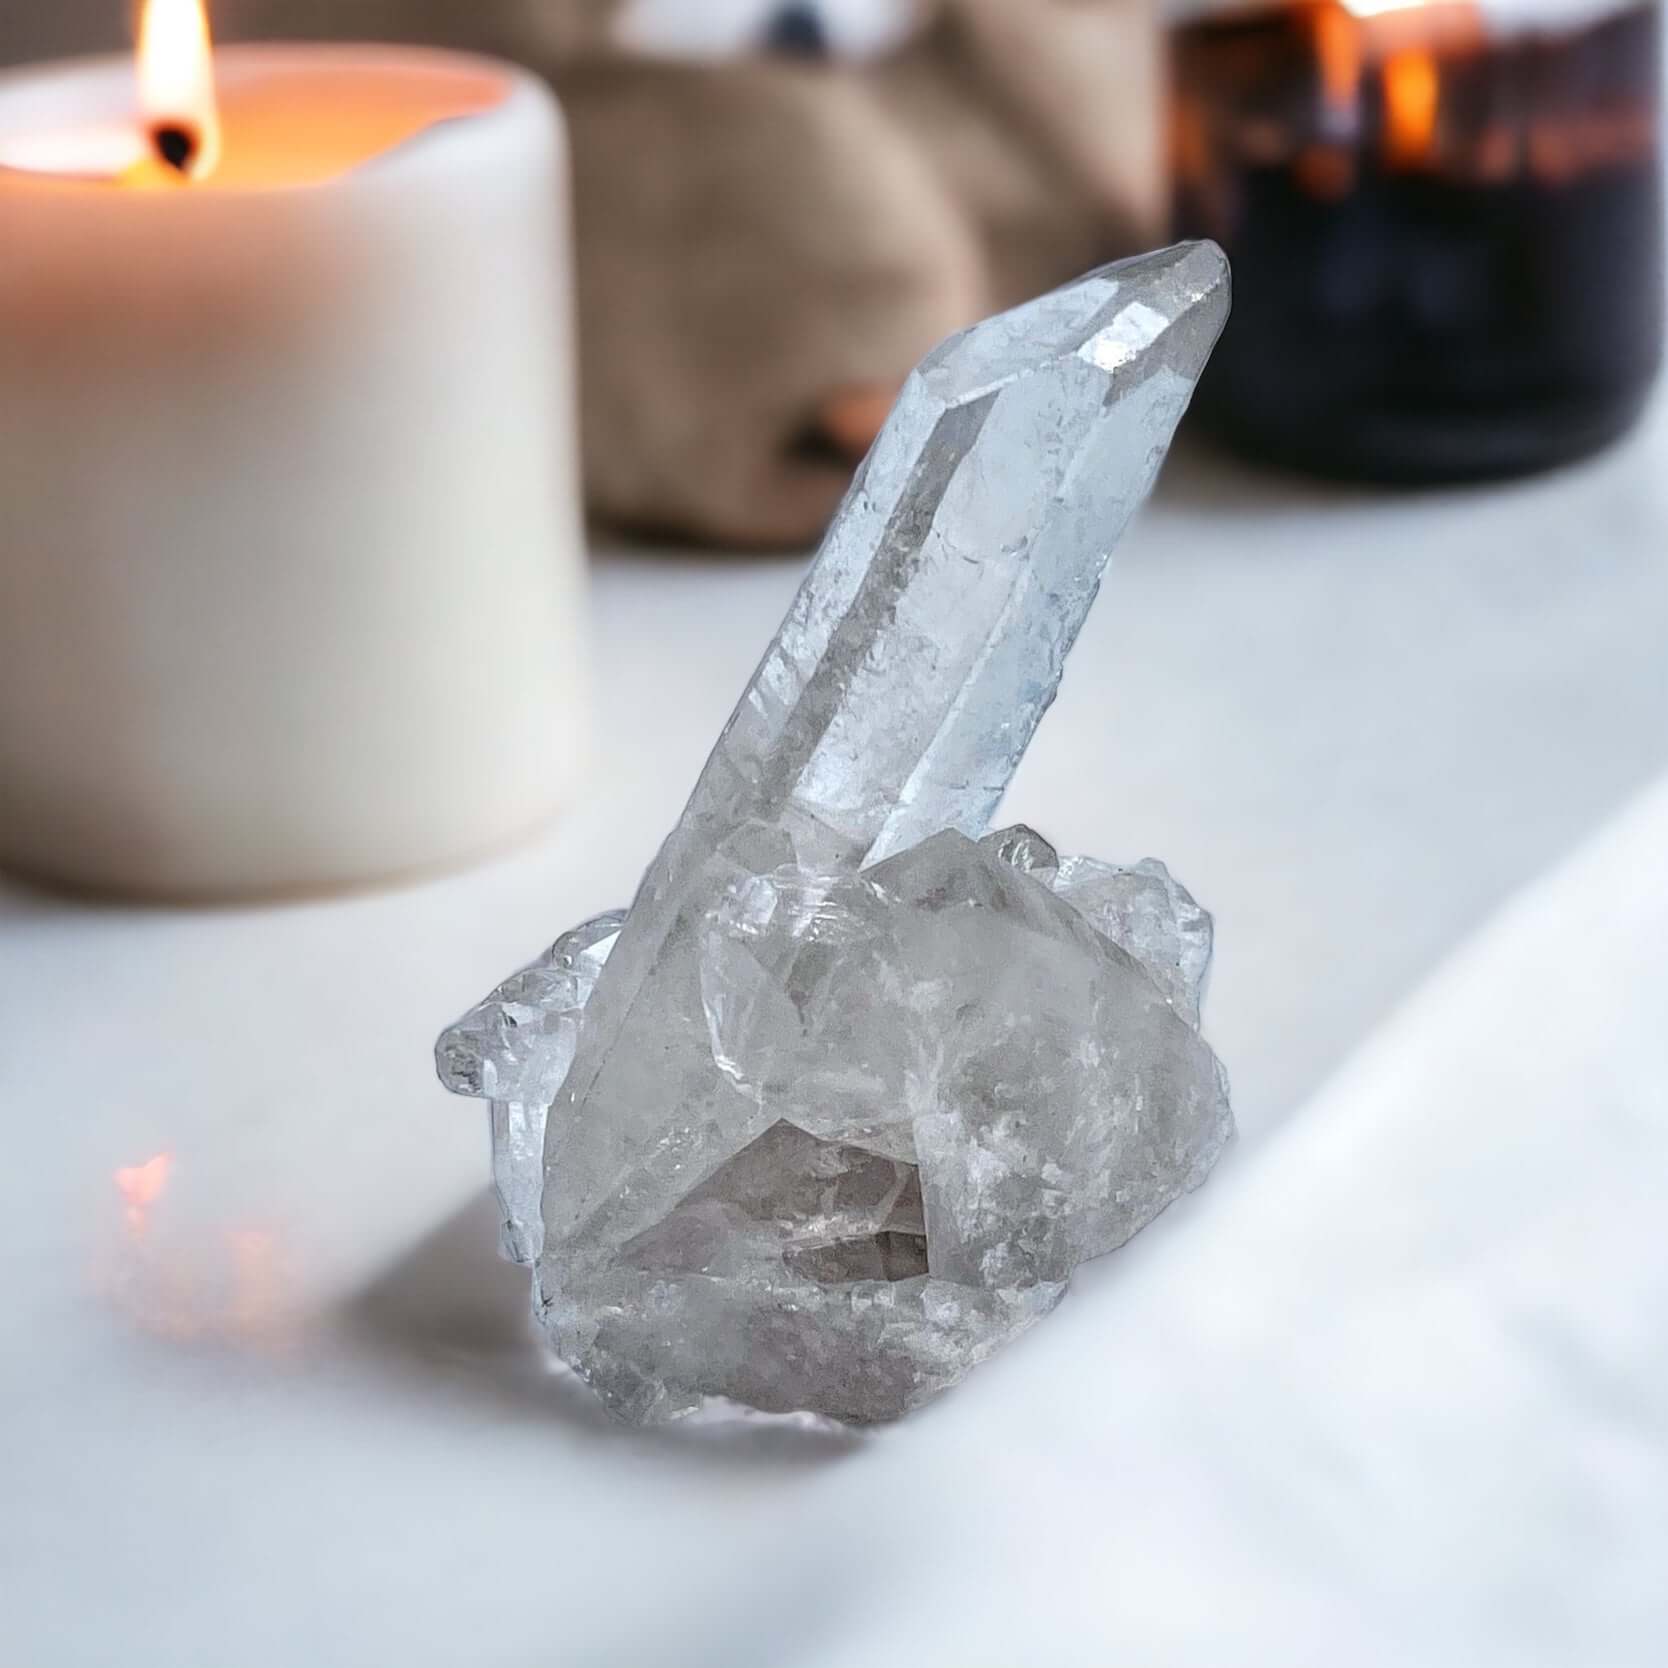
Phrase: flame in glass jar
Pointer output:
(1411, 92)
(176, 85)
(1338, 47)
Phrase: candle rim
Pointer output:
(107, 93)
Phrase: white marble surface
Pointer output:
(292, 1415)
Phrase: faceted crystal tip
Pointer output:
(1163, 309)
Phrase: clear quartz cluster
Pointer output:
(837, 1106)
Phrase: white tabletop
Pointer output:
(292, 1415)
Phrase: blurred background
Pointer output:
(1379, 673)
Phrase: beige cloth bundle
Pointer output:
(767, 245)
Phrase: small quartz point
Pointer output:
(514, 1049)
(855, 1085)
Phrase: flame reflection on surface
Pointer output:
(192, 1282)
(141, 1185)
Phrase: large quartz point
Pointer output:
(842, 1100)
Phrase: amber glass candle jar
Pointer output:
(1445, 224)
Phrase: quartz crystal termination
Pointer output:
(913, 666)
(851, 1091)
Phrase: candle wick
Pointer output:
(176, 145)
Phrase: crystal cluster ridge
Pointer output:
(835, 1108)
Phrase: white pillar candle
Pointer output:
(289, 531)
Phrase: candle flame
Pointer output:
(1377, 8)
(1411, 94)
(176, 85)
(1338, 46)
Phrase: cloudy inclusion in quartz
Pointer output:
(838, 1105)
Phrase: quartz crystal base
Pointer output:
(837, 1106)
